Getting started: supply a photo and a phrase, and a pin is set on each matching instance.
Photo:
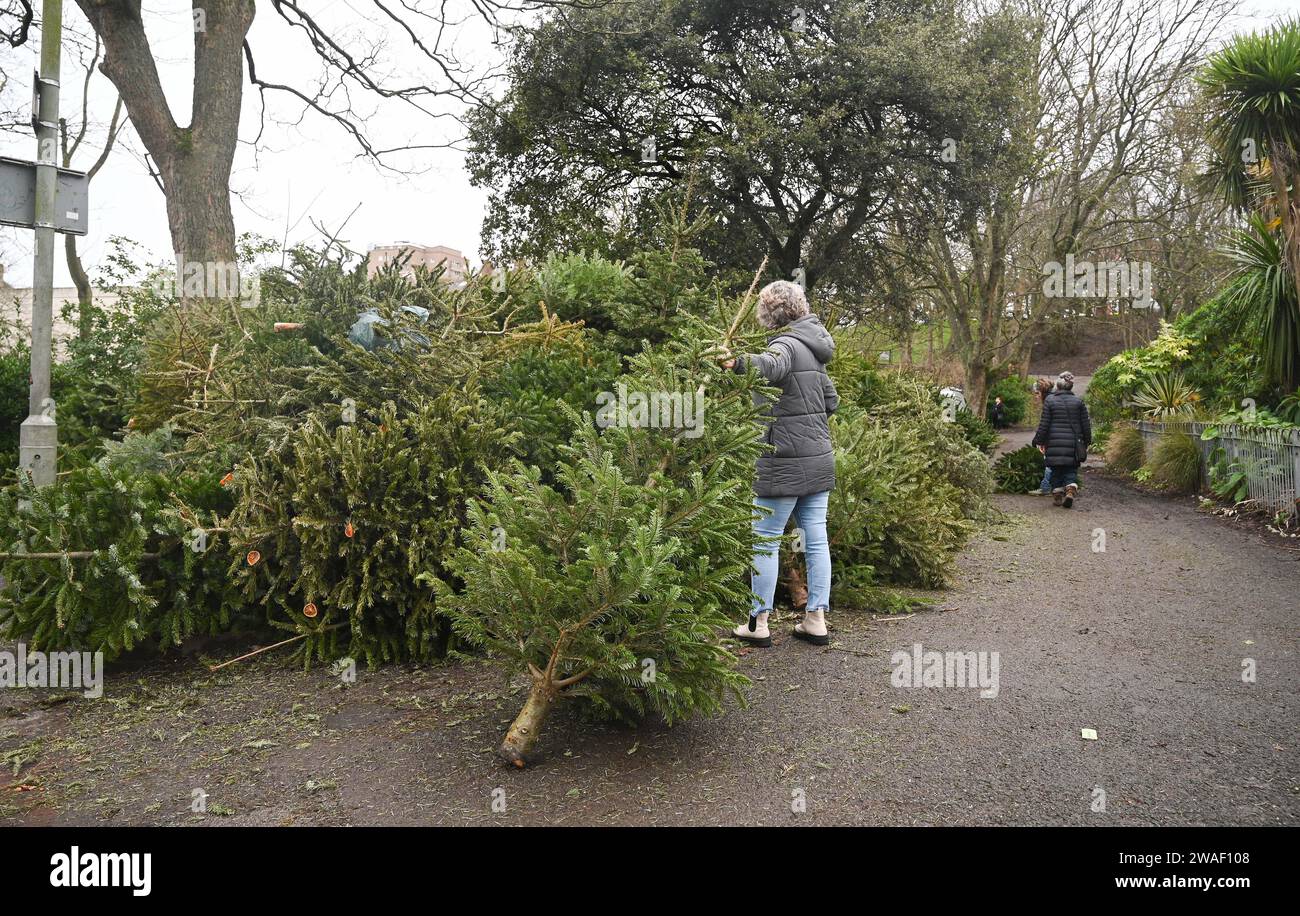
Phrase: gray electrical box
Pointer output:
(18, 197)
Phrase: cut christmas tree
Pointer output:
(613, 585)
(124, 552)
(329, 532)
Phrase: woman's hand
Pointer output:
(723, 355)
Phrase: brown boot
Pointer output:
(1058, 496)
(1071, 492)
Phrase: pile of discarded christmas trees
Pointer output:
(391, 468)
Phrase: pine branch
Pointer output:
(743, 312)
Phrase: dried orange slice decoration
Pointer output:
(349, 530)
(253, 557)
(228, 479)
(310, 610)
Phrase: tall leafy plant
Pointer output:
(1253, 90)
(1265, 289)
(1167, 396)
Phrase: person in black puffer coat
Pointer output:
(998, 413)
(797, 469)
(1063, 436)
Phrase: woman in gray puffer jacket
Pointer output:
(797, 471)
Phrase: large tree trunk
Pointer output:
(198, 208)
(193, 162)
(976, 385)
(1285, 171)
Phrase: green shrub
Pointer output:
(1115, 382)
(884, 393)
(92, 402)
(1126, 450)
(1175, 464)
(15, 377)
(978, 431)
(1019, 471)
(1285, 415)
(96, 386)
(1211, 347)
(856, 379)
(1015, 395)
(1100, 439)
(1227, 478)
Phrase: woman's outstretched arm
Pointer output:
(773, 363)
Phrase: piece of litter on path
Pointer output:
(1089, 734)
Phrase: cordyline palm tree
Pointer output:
(1167, 397)
(1253, 90)
(1267, 295)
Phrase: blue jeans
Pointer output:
(810, 512)
(1046, 485)
(1065, 474)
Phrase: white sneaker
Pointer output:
(813, 628)
(754, 631)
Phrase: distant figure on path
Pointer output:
(1063, 436)
(1044, 388)
(998, 413)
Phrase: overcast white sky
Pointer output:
(304, 167)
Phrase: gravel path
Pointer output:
(1144, 643)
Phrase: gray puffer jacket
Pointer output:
(800, 460)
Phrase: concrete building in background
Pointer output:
(16, 313)
(457, 267)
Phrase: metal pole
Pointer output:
(39, 436)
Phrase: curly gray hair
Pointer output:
(780, 303)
